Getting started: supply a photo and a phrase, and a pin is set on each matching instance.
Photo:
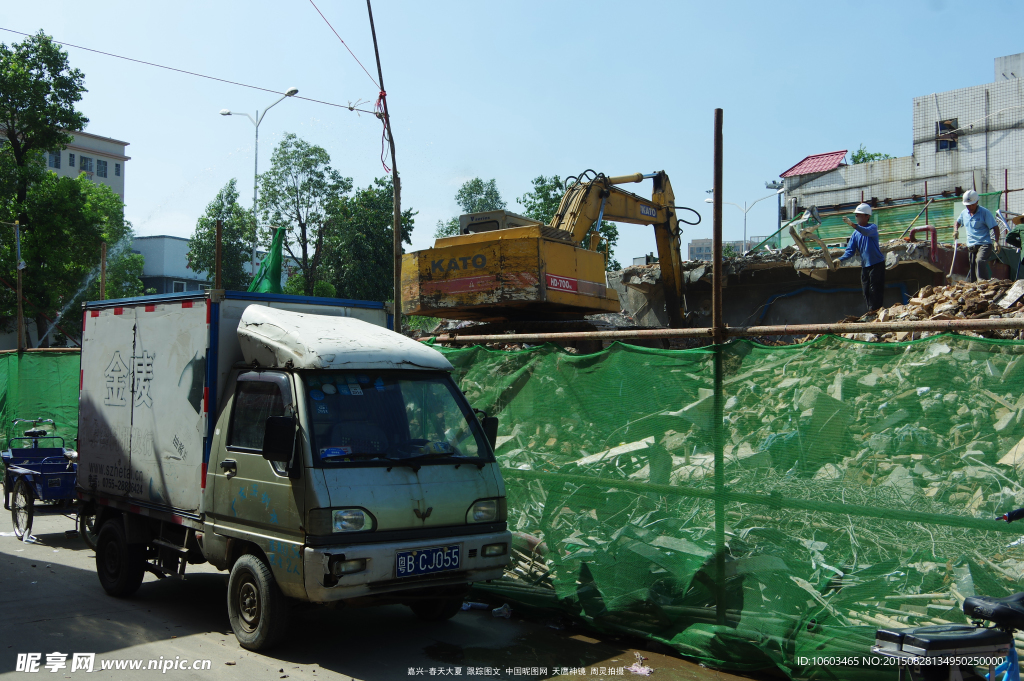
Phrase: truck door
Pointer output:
(254, 499)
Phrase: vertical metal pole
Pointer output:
(397, 241)
(255, 177)
(745, 209)
(103, 271)
(926, 203)
(216, 258)
(719, 398)
(21, 311)
(778, 214)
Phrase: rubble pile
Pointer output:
(991, 299)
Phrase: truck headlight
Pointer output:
(335, 520)
(494, 550)
(487, 511)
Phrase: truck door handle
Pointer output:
(230, 467)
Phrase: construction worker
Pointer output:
(979, 222)
(864, 242)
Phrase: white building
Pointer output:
(971, 138)
(102, 160)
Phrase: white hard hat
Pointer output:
(863, 209)
(970, 197)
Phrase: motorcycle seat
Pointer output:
(1004, 612)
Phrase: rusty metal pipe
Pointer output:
(949, 325)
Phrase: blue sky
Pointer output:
(511, 90)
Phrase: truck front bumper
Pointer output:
(380, 575)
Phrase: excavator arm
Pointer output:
(586, 204)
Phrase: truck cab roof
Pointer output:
(276, 338)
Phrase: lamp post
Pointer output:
(745, 208)
(291, 92)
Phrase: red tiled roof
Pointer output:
(818, 163)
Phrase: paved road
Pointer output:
(52, 602)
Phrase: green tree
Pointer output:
(70, 219)
(728, 251)
(38, 93)
(237, 226)
(296, 286)
(297, 193)
(862, 155)
(474, 196)
(542, 202)
(360, 253)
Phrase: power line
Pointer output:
(345, 44)
(350, 107)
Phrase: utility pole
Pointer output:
(397, 245)
(216, 257)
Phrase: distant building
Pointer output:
(102, 160)
(700, 249)
(166, 268)
(970, 138)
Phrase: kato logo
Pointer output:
(478, 261)
(561, 283)
(648, 211)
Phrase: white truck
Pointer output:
(295, 442)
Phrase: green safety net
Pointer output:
(892, 221)
(40, 385)
(756, 507)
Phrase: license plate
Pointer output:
(424, 561)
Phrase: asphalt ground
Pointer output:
(52, 602)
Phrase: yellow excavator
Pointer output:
(503, 267)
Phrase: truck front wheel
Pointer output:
(256, 607)
(119, 565)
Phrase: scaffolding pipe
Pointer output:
(940, 325)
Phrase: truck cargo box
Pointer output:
(152, 370)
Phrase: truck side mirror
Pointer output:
(279, 438)
(490, 426)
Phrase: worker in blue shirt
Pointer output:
(864, 242)
(979, 221)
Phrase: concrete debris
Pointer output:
(991, 299)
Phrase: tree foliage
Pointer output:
(862, 155)
(38, 93)
(361, 249)
(474, 196)
(297, 193)
(237, 231)
(541, 203)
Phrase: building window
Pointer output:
(53, 159)
(945, 137)
(85, 164)
(71, 160)
(117, 170)
(101, 167)
(178, 287)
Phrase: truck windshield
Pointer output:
(385, 416)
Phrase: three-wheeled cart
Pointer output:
(40, 468)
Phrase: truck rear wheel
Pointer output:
(436, 609)
(119, 565)
(256, 607)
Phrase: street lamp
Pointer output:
(775, 184)
(745, 208)
(290, 92)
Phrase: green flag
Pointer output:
(268, 277)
